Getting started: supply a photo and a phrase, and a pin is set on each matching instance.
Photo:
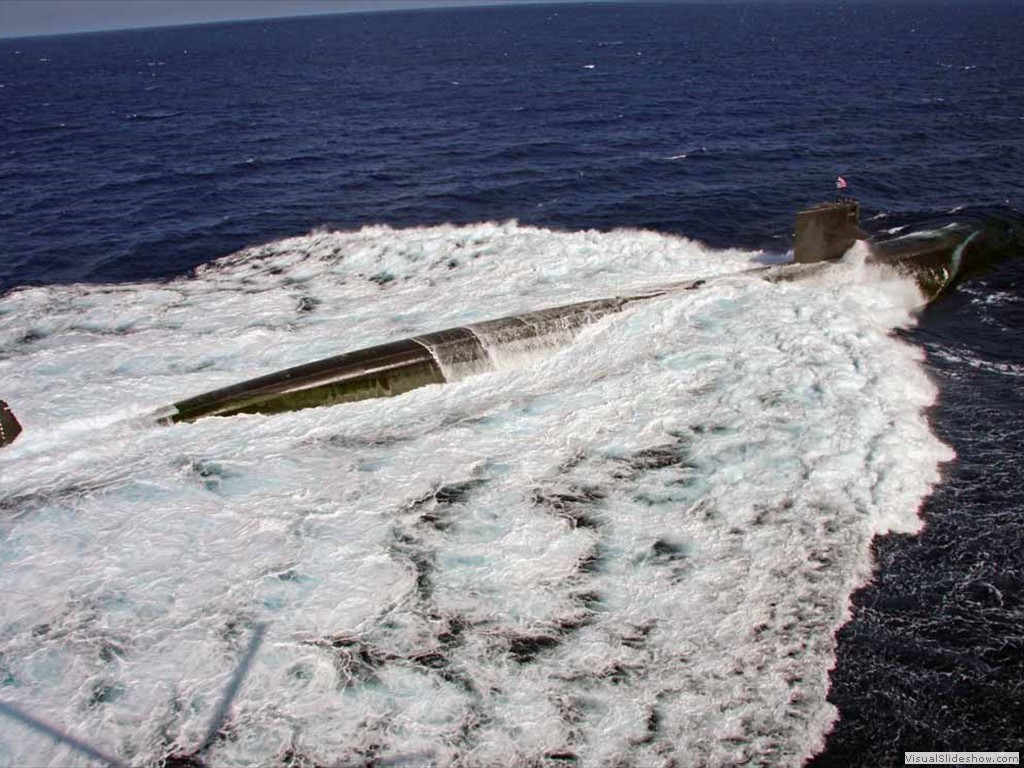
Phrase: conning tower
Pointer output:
(826, 231)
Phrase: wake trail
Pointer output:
(633, 547)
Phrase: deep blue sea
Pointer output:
(130, 159)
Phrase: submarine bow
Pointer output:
(943, 252)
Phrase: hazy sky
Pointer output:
(47, 17)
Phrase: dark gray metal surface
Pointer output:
(9, 426)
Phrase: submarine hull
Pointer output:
(391, 369)
(937, 256)
(382, 371)
(941, 258)
(9, 426)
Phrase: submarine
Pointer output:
(938, 254)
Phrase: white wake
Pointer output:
(635, 550)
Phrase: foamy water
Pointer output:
(636, 548)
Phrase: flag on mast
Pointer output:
(840, 182)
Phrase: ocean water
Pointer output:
(754, 524)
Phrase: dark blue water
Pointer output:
(136, 155)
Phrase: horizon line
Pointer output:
(442, 5)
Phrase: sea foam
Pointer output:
(635, 549)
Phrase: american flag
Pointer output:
(840, 182)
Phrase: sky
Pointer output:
(19, 18)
